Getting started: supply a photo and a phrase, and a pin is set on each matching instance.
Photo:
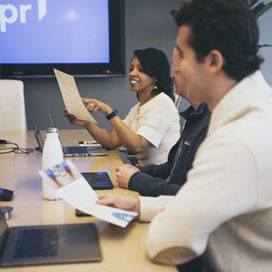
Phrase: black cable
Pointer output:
(16, 149)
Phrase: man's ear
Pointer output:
(215, 61)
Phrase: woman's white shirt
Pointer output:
(158, 122)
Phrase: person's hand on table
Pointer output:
(121, 202)
(123, 174)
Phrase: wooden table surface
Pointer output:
(122, 249)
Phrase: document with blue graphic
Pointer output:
(72, 187)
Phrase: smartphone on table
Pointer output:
(5, 194)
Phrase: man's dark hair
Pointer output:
(155, 64)
(227, 26)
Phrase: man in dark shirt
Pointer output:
(167, 178)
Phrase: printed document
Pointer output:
(71, 96)
(72, 187)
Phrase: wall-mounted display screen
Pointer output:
(81, 37)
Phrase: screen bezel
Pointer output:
(116, 67)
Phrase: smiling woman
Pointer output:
(152, 126)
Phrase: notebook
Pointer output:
(48, 244)
(73, 151)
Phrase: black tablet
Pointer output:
(98, 180)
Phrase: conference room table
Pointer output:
(123, 249)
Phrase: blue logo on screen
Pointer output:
(10, 14)
(54, 31)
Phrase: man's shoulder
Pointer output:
(252, 130)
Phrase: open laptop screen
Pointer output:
(39, 139)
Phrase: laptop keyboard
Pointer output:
(76, 149)
(36, 243)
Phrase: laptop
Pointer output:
(73, 151)
(48, 244)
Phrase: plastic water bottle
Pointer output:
(52, 155)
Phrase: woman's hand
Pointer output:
(73, 120)
(93, 105)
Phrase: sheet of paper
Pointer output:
(71, 96)
(72, 187)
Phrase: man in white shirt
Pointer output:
(224, 210)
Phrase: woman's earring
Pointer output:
(155, 87)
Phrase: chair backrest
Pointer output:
(12, 106)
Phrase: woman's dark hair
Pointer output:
(227, 26)
(155, 64)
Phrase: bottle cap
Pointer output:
(52, 130)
